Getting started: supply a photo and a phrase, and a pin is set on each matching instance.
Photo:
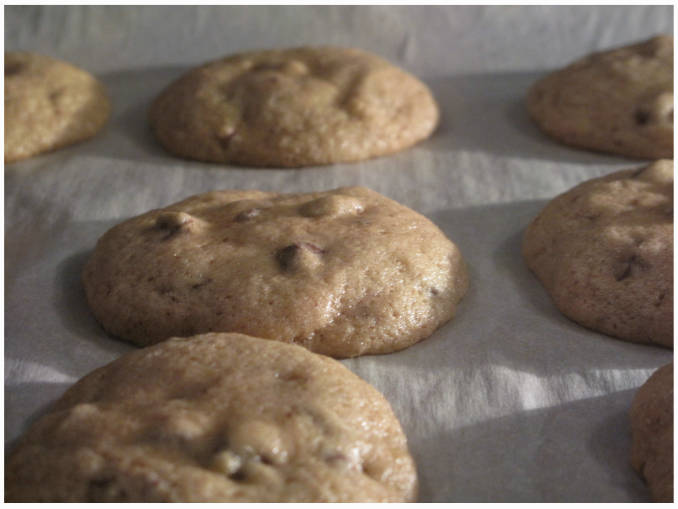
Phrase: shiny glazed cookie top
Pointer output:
(343, 272)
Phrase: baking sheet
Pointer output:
(508, 402)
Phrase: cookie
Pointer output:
(295, 107)
(604, 252)
(49, 104)
(618, 101)
(652, 430)
(216, 418)
(343, 272)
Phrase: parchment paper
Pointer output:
(508, 402)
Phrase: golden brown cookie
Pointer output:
(295, 107)
(49, 104)
(216, 418)
(604, 251)
(618, 101)
(343, 272)
(652, 428)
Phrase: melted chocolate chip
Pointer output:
(13, 68)
(660, 299)
(105, 489)
(202, 283)
(641, 117)
(173, 223)
(625, 269)
(225, 138)
(247, 215)
(265, 459)
(285, 256)
(238, 475)
(288, 256)
(624, 273)
(294, 377)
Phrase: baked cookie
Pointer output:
(618, 101)
(216, 418)
(295, 107)
(343, 272)
(604, 251)
(49, 104)
(652, 429)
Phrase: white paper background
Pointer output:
(510, 401)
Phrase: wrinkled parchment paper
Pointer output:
(508, 402)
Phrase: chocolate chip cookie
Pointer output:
(652, 428)
(294, 107)
(216, 418)
(604, 251)
(344, 272)
(49, 104)
(618, 101)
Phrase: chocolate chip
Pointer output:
(286, 255)
(641, 117)
(294, 377)
(13, 68)
(105, 489)
(238, 475)
(173, 223)
(164, 289)
(54, 96)
(624, 273)
(660, 299)
(264, 459)
(202, 283)
(247, 215)
(626, 267)
(291, 257)
(225, 136)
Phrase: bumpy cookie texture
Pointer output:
(343, 272)
(604, 251)
(49, 104)
(295, 107)
(652, 429)
(618, 101)
(216, 418)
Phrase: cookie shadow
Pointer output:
(510, 262)
(562, 453)
(613, 450)
(128, 134)
(39, 396)
(486, 112)
(507, 319)
(70, 300)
